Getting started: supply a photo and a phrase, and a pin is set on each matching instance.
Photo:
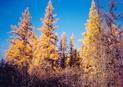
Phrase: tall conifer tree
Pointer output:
(73, 52)
(20, 51)
(62, 50)
(46, 47)
(93, 34)
(91, 51)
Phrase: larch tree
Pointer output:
(62, 50)
(93, 34)
(46, 46)
(90, 52)
(20, 51)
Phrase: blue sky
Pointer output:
(73, 14)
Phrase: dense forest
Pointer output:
(33, 61)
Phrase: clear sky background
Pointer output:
(73, 14)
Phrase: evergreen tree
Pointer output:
(62, 51)
(20, 51)
(46, 46)
(73, 52)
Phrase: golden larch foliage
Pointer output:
(90, 52)
(46, 46)
(93, 34)
(20, 51)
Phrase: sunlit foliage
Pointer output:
(20, 51)
(91, 51)
(93, 34)
(97, 63)
(46, 46)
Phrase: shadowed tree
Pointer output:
(73, 52)
(114, 63)
(62, 50)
